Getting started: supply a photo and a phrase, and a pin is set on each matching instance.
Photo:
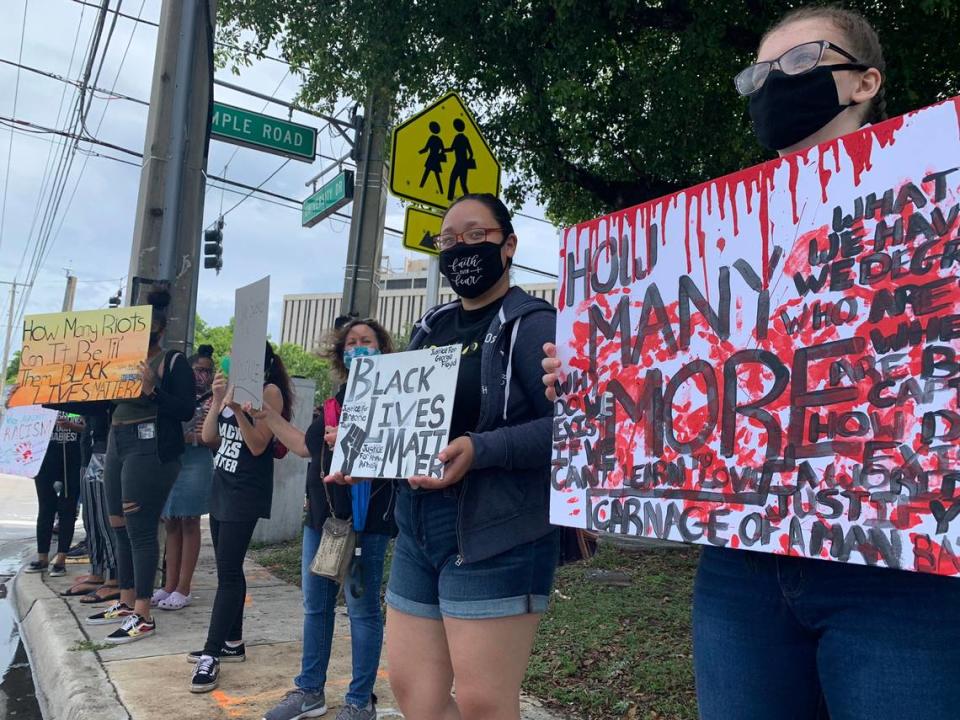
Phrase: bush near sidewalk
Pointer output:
(604, 651)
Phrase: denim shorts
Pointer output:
(427, 581)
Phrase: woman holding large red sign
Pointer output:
(780, 636)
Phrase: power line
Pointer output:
(245, 51)
(16, 96)
(110, 94)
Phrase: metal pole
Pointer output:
(433, 282)
(6, 347)
(179, 119)
(69, 293)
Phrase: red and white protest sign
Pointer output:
(770, 360)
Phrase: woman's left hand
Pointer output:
(148, 378)
(457, 459)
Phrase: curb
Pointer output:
(70, 684)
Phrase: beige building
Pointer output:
(309, 317)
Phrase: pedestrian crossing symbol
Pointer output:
(439, 154)
(419, 228)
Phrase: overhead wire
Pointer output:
(16, 97)
(63, 166)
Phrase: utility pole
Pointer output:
(361, 283)
(6, 343)
(167, 233)
(70, 292)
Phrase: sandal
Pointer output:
(175, 601)
(90, 580)
(104, 593)
(79, 589)
(158, 595)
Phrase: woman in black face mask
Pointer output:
(475, 556)
(787, 636)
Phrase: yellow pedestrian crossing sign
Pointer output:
(419, 227)
(439, 154)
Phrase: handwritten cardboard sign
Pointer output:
(396, 413)
(82, 356)
(252, 304)
(24, 436)
(769, 361)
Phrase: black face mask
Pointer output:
(789, 108)
(472, 269)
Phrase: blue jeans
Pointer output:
(366, 618)
(426, 579)
(792, 638)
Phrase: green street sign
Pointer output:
(262, 132)
(327, 200)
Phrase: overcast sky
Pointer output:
(92, 235)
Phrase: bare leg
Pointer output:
(174, 552)
(489, 661)
(189, 553)
(420, 671)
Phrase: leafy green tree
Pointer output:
(13, 368)
(593, 105)
(300, 363)
(220, 337)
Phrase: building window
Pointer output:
(419, 282)
(398, 284)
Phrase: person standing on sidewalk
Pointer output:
(819, 75)
(58, 492)
(101, 545)
(242, 493)
(307, 699)
(190, 497)
(475, 557)
(142, 462)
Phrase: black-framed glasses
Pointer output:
(797, 60)
(473, 236)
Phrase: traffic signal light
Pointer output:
(213, 247)
(115, 300)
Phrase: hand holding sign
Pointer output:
(551, 365)
(148, 378)
(396, 414)
(457, 459)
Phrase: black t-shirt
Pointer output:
(64, 453)
(469, 328)
(242, 482)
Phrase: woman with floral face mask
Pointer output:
(353, 339)
(790, 637)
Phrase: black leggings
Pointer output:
(137, 485)
(62, 504)
(230, 542)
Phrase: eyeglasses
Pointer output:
(473, 236)
(795, 61)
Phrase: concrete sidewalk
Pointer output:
(79, 678)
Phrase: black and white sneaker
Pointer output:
(57, 571)
(227, 654)
(206, 675)
(134, 627)
(116, 613)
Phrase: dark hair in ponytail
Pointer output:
(159, 299)
(275, 372)
(861, 39)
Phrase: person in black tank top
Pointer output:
(241, 494)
